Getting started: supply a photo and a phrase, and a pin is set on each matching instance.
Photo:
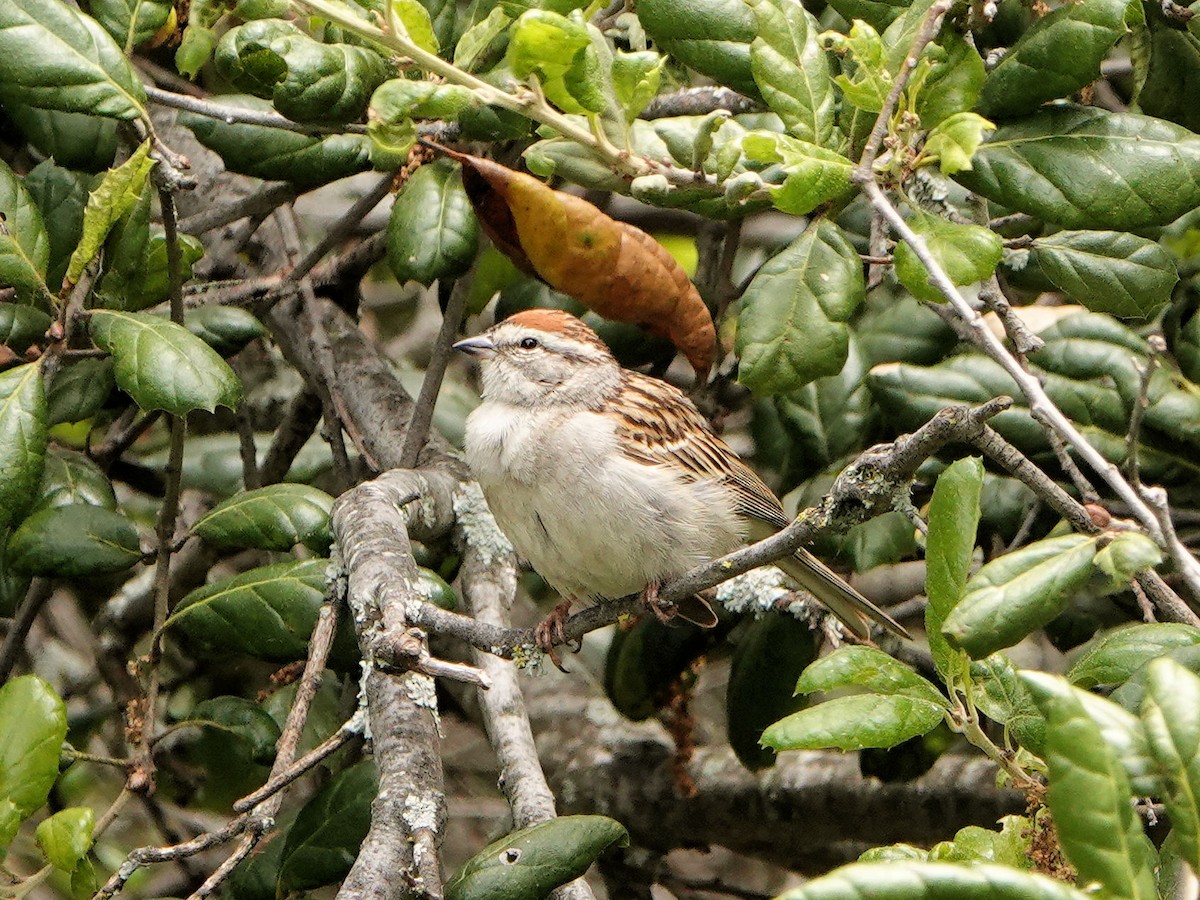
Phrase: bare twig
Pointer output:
(299, 421)
(342, 228)
(260, 203)
(1157, 346)
(37, 595)
(231, 114)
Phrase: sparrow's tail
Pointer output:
(854, 610)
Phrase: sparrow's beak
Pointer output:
(480, 345)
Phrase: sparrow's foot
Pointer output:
(664, 612)
(551, 630)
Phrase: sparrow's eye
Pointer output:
(528, 343)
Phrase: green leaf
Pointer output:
(74, 541)
(22, 326)
(852, 723)
(476, 39)
(770, 655)
(1085, 167)
(400, 99)
(1126, 555)
(323, 842)
(918, 880)
(866, 82)
(813, 175)
(953, 82)
(1109, 271)
(13, 587)
(131, 22)
(433, 232)
(268, 612)
(955, 140)
(162, 365)
(1171, 71)
(535, 860)
(227, 329)
(998, 692)
(560, 52)
(711, 36)
(195, 48)
(791, 70)
(55, 57)
(949, 546)
(23, 439)
(967, 253)
(33, 720)
(24, 246)
(241, 718)
(1056, 56)
(1114, 656)
(1019, 592)
(116, 195)
(71, 478)
(66, 837)
(1171, 714)
(1089, 796)
(1011, 845)
(880, 541)
(276, 155)
(868, 668)
(644, 660)
(60, 195)
(79, 390)
(415, 22)
(276, 517)
(636, 77)
(73, 140)
(792, 324)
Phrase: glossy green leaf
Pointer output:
(227, 329)
(33, 720)
(1085, 167)
(60, 195)
(636, 77)
(1122, 731)
(1089, 796)
(74, 541)
(711, 37)
(1017, 593)
(131, 22)
(530, 863)
(55, 57)
(954, 141)
(433, 232)
(479, 37)
(560, 52)
(162, 365)
(276, 517)
(73, 140)
(868, 668)
(866, 81)
(241, 718)
(1171, 73)
(1114, 656)
(71, 478)
(880, 541)
(1171, 713)
(949, 547)
(643, 661)
(24, 246)
(952, 85)
(13, 587)
(66, 837)
(999, 694)
(1109, 271)
(770, 655)
(1127, 554)
(323, 842)
(791, 70)
(277, 155)
(412, 19)
(268, 612)
(932, 881)
(79, 390)
(195, 48)
(813, 175)
(1010, 845)
(1060, 53)
(852, 723)
(22, 326)
(792, 325)
(117, 194)
(1131, 693)
(23, 439)
(967, 253)
(399, 99)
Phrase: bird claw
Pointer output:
(552, 630)
(664, 612)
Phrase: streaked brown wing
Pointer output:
(661, 427)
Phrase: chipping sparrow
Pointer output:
(610, 482)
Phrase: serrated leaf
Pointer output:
(1089, 796)
(33, 720)
(967, 254)
(791, 70)
(1019, 592)
(161, 365)
(433, 232)
(853, 723)
(1114, 656)
(868, 668)
(276, 517)
(55, 57)
(535, 860)
(954, 141)
(66, 837)
(323, 842)
(71, 478)
(918, 880)
(74, 541)
(1171, 713)
(23, 438)
(24, 246)
(227, 329)
(1109, 271)
(118, 193)
(954, 515)
(792, 324)
(268, 612)
(79, 390)
(813, 175)
(1085, 167)
(241, 718)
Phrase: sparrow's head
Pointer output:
(544, 357)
